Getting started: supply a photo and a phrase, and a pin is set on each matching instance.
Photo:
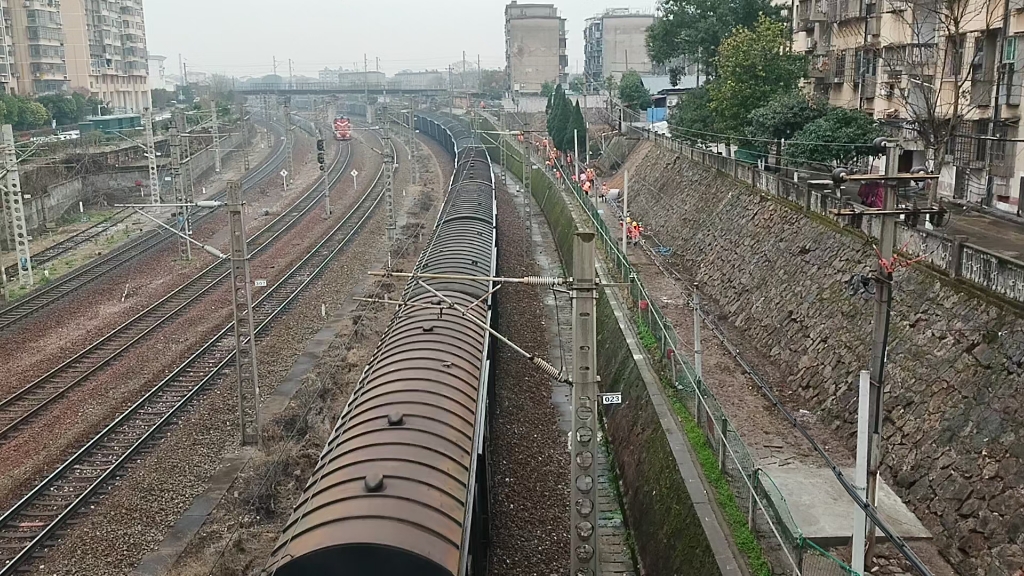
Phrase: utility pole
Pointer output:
(275, 65)
(880, 333)
(463, 69)
(216, 136)
(291, 76)
(860, 479)
(584, 501)
(181, 73)
(479, 76)
(245, 342)
(15, 208)
(178, 184)
(154, 177)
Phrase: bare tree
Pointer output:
(939, 61)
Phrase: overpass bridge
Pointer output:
(326, 88)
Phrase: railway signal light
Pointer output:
(320, 145)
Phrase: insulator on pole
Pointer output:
(546, 368)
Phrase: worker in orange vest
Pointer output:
(586, 187)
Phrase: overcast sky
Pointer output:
(241, 37)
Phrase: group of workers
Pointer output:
(633, 230)
(587, 180)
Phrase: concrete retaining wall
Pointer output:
(116, 186)
(953, 433)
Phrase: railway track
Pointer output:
(85, 274)
(40, 514)
(31, 401)
(73, 241)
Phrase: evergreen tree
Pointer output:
(579, 124)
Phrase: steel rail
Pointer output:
(85, 274)
(18, 409)
(81, 237)
(37, 517)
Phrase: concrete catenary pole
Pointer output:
(154, 177)
(15, 208)
(178, 184)
(625, 209)
(389, 171)
(584, 537)
(880, 338)
(245, 342)
(289, 135)
(244, 122)
(216, 135)
(698, 351)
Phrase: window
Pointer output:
(1010, 49)
(955, 55)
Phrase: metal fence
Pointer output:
(953, 256)
(755, 494)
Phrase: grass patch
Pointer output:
(745, 540)
(647, 339)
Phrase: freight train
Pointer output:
(401, 486)
(342, 129)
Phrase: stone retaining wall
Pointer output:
(954, 432)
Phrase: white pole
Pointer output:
(285, 180)
(625, 208)
(860, 480)
(698, 351)
(354, 185)
(576, 157)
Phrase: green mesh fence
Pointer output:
(767, 511)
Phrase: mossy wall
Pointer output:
(667, 531)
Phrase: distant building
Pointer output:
(49, 47)
(418, 80)
(157, 72)
(614, 43)
(329, 75)
(534, 46)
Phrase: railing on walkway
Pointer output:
(953, 256)
(755, 494)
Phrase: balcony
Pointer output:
(841, 10)
(911, 59)
(820, 66)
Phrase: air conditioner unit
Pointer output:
(811, 43)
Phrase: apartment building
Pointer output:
(929, 74)
(615, 42)
(92, 46)
(534, 46)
